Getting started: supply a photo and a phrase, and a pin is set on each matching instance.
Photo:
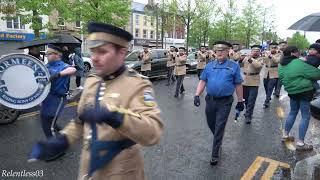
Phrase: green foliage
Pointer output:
(299, 41)
(115, 12)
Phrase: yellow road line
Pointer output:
(252, 170)
(272, 167)
(269, 171)
(30, 114)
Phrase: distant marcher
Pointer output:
(180, 70)
(282, 46)
(145, 57)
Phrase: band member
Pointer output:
(117, 113)
(270, 80)
(202, 57)
(60, 79)
(252, 66)
(235, 52)
(146, 61)
(180, 70)
(170, 64)
(220, 78)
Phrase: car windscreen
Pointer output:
(133, 56)
(191, 56)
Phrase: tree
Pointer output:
(115, 12)
(299, 41)
(30, 11)
(250, 22)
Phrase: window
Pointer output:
(145, 21)
(78, 24)
(137, 33)
(15, 23)
(151, 34)
(61, 22)
(145, 33)
(137, 19)
(152, 21)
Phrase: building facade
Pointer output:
(13, 33)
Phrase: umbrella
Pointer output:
(65, 39)
(33, 43)
(308, 23)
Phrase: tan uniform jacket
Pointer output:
(271, 66)
(251, 71)
(146, 61)
(170, 55)
(202, 60)
(180, 65)
(144, 127)
(236, 56)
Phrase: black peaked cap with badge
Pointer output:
(54, 49)
(256, 47)
(222, 45)
(101, 33)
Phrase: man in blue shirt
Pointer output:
(59, 78)
(221, 78)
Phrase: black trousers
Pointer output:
(179, 87)
(217, 112)
(78, 81)
(170, 75)
(250, 94)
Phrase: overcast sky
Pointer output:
(286, 13)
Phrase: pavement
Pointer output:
(248, 151)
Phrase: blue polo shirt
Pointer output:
(59, 86)
(221, 78)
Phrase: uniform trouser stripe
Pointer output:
(53, 124)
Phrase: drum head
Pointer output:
(24, 81)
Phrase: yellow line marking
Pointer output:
(30, 114)
(280, 113)
(272, 167)
(252, 170)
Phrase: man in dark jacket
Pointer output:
(297, 77)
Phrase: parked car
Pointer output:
(8, 115)
(158, 62)
(87, 62)
(191, 62)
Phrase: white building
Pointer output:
(13, 32)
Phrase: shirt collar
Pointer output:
(115, 74)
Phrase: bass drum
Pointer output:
(8, 115)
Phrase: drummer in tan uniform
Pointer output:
(235, 52)
(145, 57)
(202, 59)
(271, 61)
(252, 66)
(180, 70)
(117, 113)
(170, 64)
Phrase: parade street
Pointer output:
(248, 151)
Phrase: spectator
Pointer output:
(77, 61)
(297, 77)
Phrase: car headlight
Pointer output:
(130, 65)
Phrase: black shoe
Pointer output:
(55, 157)
(277, 96)
(248, 120)
(181, 92)
(176, 95)
(167, 84)
(265, 105)
(214, 161)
